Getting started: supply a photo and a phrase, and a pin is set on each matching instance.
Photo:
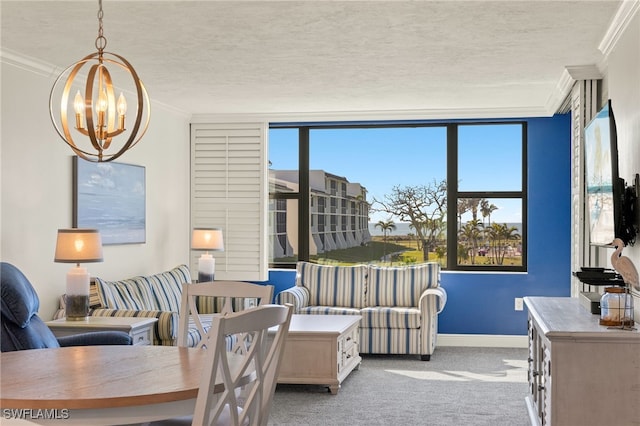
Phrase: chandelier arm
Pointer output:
(111, 102)
(88, 101)
(64, 134)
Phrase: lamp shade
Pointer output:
(78, 246)
(209, 239)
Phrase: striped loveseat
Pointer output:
(151, 296)
(399, 305)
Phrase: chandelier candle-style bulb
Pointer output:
(101, 132)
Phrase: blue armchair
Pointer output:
(21, 326)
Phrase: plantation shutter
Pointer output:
(229, 191)
(585, 103)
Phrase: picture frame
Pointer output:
(110, 197)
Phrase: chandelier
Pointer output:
(100, 119)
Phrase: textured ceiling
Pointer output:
(311, 57)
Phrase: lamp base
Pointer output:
(77, 307)
(206, 268)
(204, 277)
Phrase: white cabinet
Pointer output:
(580, 373)
(140, 329)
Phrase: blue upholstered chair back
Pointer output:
(21, 326)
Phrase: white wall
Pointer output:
(623, 81)
(36, 180)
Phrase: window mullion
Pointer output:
(452, 196)
(304, 224)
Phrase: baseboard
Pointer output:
(482, 340)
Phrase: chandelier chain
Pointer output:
(101, 40)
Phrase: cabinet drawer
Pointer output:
(349, 339)
(142, 337)
(349, 355)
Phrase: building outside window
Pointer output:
(380, 193)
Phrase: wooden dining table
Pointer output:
(100, 385)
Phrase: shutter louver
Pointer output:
(229, 191)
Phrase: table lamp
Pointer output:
(209, 239)
(78, 246)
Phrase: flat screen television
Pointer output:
(607, 208)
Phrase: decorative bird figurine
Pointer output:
(624, 265)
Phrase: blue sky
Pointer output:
(381, 158)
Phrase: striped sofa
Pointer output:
(152, 296)
(399, 305)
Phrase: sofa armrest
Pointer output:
(436, 295)
(297, 296)
(165, 330)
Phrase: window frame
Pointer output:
(453, 194)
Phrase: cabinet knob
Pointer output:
(535, 373)
(540, 387)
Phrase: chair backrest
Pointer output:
(21, 326)
(255, 369)
(230, 291)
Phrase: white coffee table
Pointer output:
(140, 329)
(321, 349)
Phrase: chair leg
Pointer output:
(425, 357)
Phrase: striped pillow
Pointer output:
(94, 297)
(401, 286)
(124, 294)
(333, 285)
(166, 288)
(161, 292)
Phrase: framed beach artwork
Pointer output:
(110, 197)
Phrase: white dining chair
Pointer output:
(223, 295)
(265, 349)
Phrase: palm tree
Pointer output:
(386, 226)
(486, 209)
(471, 232)
(500, 235)
(463, 207)
(474, 204)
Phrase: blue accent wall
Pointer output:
(483, 303)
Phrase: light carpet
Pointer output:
(460, 386)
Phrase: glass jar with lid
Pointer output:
(616, 307)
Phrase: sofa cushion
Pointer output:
(333, 285)
(166, 287)
(390, 317)
(193, 334)
(160, 292)
(124, 294)
(401, 286)
(329, 310)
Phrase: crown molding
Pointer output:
(569, 76)
(392, 115)
(27, 63)
(48, 70)
(621, 20)
(584, 72)
(625, 13)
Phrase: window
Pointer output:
(374, 193)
